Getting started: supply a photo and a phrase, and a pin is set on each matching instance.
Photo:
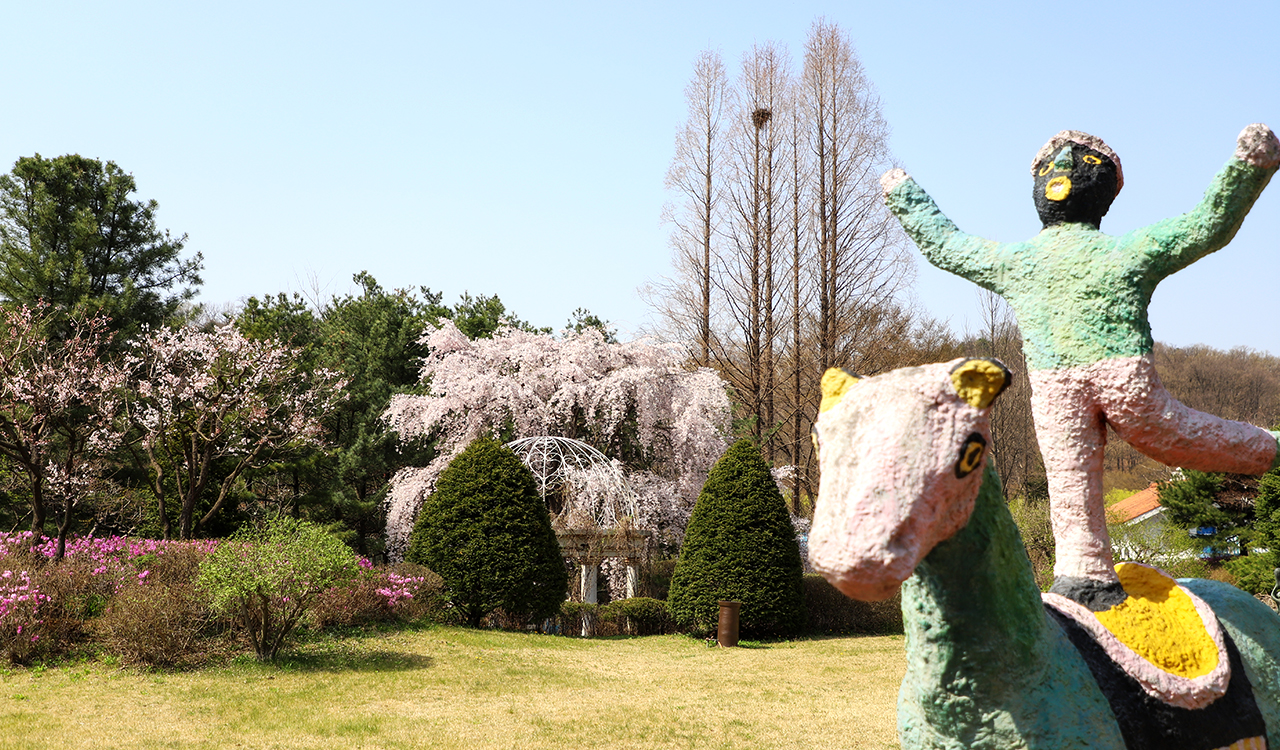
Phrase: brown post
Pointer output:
(727, 632)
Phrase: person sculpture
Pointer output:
(1081, 298)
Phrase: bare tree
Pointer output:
(694, 176)
(755, 230)
(862, 260)
(1013, 435)
(786, 259)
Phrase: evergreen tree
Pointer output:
(71, 235)
(740, 546)
(479, 317)
(1190, 501)
(1255, 572)
(372, 340)
(487, 533)
(1218, 507)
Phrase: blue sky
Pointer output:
(520, 148)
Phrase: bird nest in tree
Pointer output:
(583, 488)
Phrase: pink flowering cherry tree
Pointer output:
(57, 400)
(197, 397)
(635, 401)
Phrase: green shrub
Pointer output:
(638, 615)
(155, 622)
(1254, 573)
(486, 532)
(739, 546)
(268, 578)
(655, 579)
(830, 612)
(576, 617)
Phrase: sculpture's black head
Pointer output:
(1075, 182)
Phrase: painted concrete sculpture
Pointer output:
(907, 495)
(1081, 300)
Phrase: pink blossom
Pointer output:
(636, 397)
(206, 395)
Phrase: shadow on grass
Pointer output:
(361, 661)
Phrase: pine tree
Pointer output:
(486, 532)
(740, 546)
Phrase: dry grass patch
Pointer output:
(456, 688)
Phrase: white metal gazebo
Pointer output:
(592, 506)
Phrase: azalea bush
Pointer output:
(156, 622)
(402, 593)
(21, 601)
(150, 602)
(269, 577)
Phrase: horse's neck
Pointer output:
(972, 610)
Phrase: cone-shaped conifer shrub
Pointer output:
(739, 546)
(487, 533)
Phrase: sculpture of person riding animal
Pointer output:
(908, 499)
(1081, 300)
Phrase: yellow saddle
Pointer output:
(1163, 636)
(1160, 622)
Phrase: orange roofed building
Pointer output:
(1138, 508)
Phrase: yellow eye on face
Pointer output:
(1046, 168)
(1092, 159)
(971, 453)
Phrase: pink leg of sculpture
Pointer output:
(1072, 407)
(1150, 419)
(1072, 434)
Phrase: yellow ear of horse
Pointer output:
(979, 381)
(835, 383)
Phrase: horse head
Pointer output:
(902, 457)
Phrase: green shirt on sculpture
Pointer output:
(1081, 296)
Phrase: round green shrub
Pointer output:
(739, 546)
(270, 576)
(487, 533)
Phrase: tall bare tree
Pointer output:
(755, 230)
(786, 259)
(1013, 434)
(862, 261)
(695, 176)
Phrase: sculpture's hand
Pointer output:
(895, 177)
(1256, 145)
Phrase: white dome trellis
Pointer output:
(592, 485)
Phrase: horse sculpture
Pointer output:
(908, 499)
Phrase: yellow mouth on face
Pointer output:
(1058, 188)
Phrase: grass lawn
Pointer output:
(465, 689)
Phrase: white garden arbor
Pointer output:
(591, 504)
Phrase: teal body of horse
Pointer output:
(987, 668)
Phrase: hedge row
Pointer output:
(827, 611)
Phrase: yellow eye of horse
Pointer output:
(975, 446)
(1092, 159)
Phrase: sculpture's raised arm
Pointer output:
(942, 243)
(1175, 243)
